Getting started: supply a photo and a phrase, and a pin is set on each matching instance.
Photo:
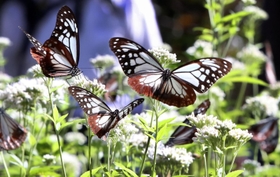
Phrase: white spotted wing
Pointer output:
(148, 77)
(101, 118)
(59, 55)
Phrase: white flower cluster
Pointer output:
(236, 64)
(256, 13)
(75, 137)
(249, 2)
(164, 56)
(211, 130)
(93, 86)
(170, 155)
(269, 104)
(24, 93)
(202, 49)
(102, 61)
(4, 42)
(250, 54)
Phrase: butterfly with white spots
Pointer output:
(12, 135)
(146, 75)
(101, 118)
(185, 134)
(59, 55)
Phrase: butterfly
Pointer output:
(12, 135)
(266, 133)
(184, 134)
(101, 118)
(110, 81)
(173, 87)
(59, 55)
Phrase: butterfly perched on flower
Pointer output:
(184, 134)
(59, 55)
(101, 118)
(266, 133)
(12, 135)
(173, 87)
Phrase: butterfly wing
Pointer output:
(59, 55)
(202, 108)
(146, 75)
(128, 109)
(100, 115)
(12, 135)
(133, 58)
(203, 73)
(184, 134)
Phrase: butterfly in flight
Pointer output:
(101, 118)
(59, 55)
(184, 134)
(176, 88)
(12, 135)
(266, 133)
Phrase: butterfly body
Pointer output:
(101, 118)
(12, 135)
(59, 55)
(173, 87)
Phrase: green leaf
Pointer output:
(235, 173)
(162, 131)
(61, 118)
(93, 171)
(130, 172)
(246, 79)
(235, 16)
(165, 121)
(76, 121)
(55, 113)
(32, 140)
(17, 161)
(44, 171)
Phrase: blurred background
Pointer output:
(149, 23)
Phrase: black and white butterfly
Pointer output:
(59, 55)
(12, 135)
(266, 133)
(101, 118)
(184, 134)
(176, 87)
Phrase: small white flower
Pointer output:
(226, 124)
(103, 61)
(269, 103)
(202, 119)
(249, 2)
(164, 56)
(170, 155)
(93, 86)
(202, 49)
(250, 54)
(4, 41)
(256, 12)
(240, 135)
(236, 64)
(72, 163)
(77, 137)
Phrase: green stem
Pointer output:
(109, 157)
(89, 152)
(5, 165)
(57, 134)
(241, 96)
(146, 149)
(155, 107)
